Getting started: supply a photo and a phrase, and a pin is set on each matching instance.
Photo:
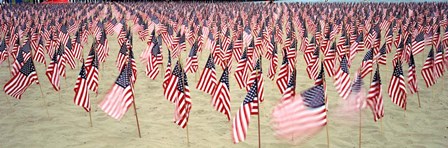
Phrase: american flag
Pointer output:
(172, 93)
(53, 72)
(412, 78)
(428, 69)
(291, 54)
(22, 55)
(192, 59)
(207, 81)
(399, 38)
(183, 101)
(81, 90)
(181, 46)
(381, 55)
(237, 48)
(342, 79)
(150, 45)
(355, 48)
(419, 44)
(68, 54)
(273, 63)
(3, 51)
(92, 67)
(39, 56)
(121, 96)
(241, 70)
(166, 78)
(313, 66)
(290, 90)
(221, 96)
(103, 48)
(77, 46)
(389, 39)
(63, 35)
(439, 68)
(283, 75)
(375, 97)
(329, 60)
(300, 117)
(366, 65)
(242, 117)
(122, 57)
(340, 49)
(155, 58)
(18, 84)
(397, 87)
(257, 75)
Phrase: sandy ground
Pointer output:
(24, 123)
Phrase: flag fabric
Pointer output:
(54, 71)
(302, 116)
(39, 55)
(381, 56)
(18, 84)
(313, 66)
(375, 97)
(397, 87)
(207, 81)
(329, 60)
(428, 69)
(290, 90)
(273, 64)
(192, 59)
(92, 68)
(221, 95)
(155, 58)
(122, 57)
(81, 90)
(68, 54)
(241, 70)
(283, 75)
(121, 96)
(3, 51)
(172, 91)
(439, 66)
(166, 78)
(366, 65)
(183, 101)
(412, 78)
(257, 75)
(419, 44)
(242, 118)
(342, 79)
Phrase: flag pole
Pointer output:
(258, 102)
(326, 102)
(133, 101)
(179, 58)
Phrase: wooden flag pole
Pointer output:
(258, 102)
(136, 118)
(326, 104)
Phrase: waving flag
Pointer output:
(342, 79)
(39, 55)
(283, 75)
(290, 90)
(375, 97)
(366, 65)
(92, 68)
(81, 90)
(397, 87)
(273, 63)
(183, 101)
(207, 81)
(241, 70)
(419, 44)
(54, 71)
(221, 96)
(428, 69)
(192, 59)
(301, 117)
(121, 96)
(18, 84)
(155, 58)
(242, 117)
(412, 78)
(439, 67)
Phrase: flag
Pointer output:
(290, 90)
(120, 97)
(397, 87)
(166, 78)
(313, 66)
(192, 59)
(221, 96)
(77, 46)
(92, 68)
(342, 79)
(68, 54)
(428, 69)
(53, 71)
(375, 97)
(439, 68)
(241, 70)
(3, 51)
(242, 117)
(329, 60)
(183, 101)
(207, 81)
(419, 44)
(366, 65)
(22, 55)
(302, 116)
(257, 75)
(18, 84)
(412, 78)
(273, 63)
(39, 55)
(81, 90)
(381, 56)
(283, 75)
(122, 57)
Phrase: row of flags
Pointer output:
(330, 40)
